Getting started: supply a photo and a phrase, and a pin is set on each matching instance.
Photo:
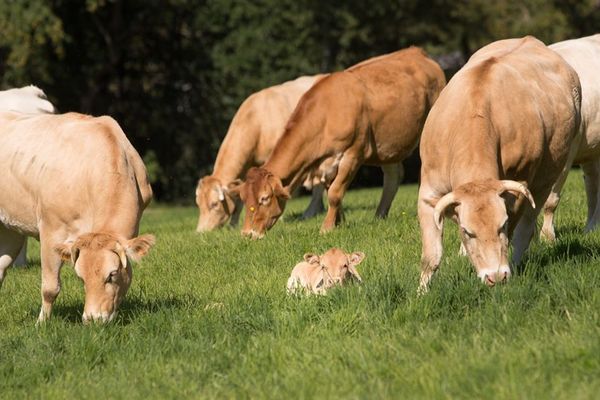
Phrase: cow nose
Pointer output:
(500, 276)
(252, 234)
(102, 317)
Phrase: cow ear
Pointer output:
(235, 187)
(311, 258)
(138, 247)
(356, 258)
(67, 252)
(278, 189)
(198, 187)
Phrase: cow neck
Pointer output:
(474, 159)
(234, 157)
(292, 157)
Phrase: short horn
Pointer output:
(443, 203)
(220, 193)
(513, 186)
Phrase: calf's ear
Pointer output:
(311, 258)
(356, 257)
(138, 247)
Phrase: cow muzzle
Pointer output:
(492, 276)
(99, 317)
(252, 234)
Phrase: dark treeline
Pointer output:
(173, 72)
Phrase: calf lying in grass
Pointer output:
(316, 273)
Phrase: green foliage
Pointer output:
(207, 316)
(173, 72)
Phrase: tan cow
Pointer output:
(316, 273)
(30, 100)
(371, 114)
(584, 56)
(78, 185)
(494, 143)
(253, 132)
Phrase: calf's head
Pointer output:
(264, 197)
(480, 210)
(214, 202)
(335, 266)
(103, 263)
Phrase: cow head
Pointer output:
(215, 203)
(336, 267)
(103, 263)
(264, 197)
(481, 212)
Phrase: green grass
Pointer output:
(207, 316)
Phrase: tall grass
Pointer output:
(207, 316)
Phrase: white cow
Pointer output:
(584, 56)
(30, 100)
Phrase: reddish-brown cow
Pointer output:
(371, 114)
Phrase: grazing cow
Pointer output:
(316, 273)
(584, 56)
(30, 100)
(493, 145)
(253, 132)
(76, 183)
(371, 114)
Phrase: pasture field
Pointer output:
(207, 316)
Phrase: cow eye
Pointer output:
(264, 199)
(112, 277)
(213, 205)
(469, 234)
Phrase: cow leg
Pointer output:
(316, 202)
(346, 171)
(21, 259)
(392, 176)
(431, 238)
(235, 217)
(547, 233)
(551, 201)
(10, 244)
(524, 230)
(591, 176)
(51, 264)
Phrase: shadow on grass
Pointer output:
(129, 310)
(298, 216)
(570, 250)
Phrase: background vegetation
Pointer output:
(173, 72)
(207, 316)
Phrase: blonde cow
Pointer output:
(29, 100)
(253, 132)
(494, 143)
(76, 183)
(316, 274)
(584, 56)
(371, 113)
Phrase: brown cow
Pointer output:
(371, 114)
(78, 185)
(493, 145)
(253, 132)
